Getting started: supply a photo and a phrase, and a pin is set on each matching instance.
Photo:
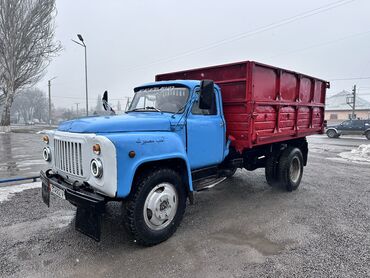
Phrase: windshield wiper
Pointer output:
(144, 109)
(135, 109)
(153, 108)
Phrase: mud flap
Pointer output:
(45, 193)
(88, 221)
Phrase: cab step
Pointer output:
(207, 183)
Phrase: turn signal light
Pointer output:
(45, 139)
(96, 149)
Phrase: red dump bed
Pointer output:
(264, 104)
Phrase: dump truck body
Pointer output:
(264, 104)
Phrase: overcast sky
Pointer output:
(128, 42)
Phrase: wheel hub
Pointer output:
(295, 170)
(160, 206)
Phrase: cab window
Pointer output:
(358, 124)
(197, 111)
(346, 123)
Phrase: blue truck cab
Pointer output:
(147, 157)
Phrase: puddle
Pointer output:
(20, 155)
(256, 241)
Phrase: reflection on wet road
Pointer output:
(20, 155)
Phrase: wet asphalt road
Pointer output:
(20, 155)
(240, 228)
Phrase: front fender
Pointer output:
(333, 128)
(148, 147)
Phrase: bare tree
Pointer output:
(26, 46)
(30, 104)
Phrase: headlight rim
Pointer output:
(97, 172)
(46, 154)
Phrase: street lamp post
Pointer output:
(49, 87)
(82, 43)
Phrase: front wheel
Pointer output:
(367, 134)
(331, 133)
(156, 208)
(290, 170)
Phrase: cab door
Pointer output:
(206, 132)
(345, 127)
(358, 127)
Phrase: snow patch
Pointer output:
(346, 161)
(7, 192)
(362, 153)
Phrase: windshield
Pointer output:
(162, 99)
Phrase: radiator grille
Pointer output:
(68, 156)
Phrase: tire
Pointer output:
(331, 133)
(367, 134)
(271, 168)
(158, 196)
(290, 169)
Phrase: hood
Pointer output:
(146, 121)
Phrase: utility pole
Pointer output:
(354, 103)
(49, 86)
(77, 103)
(351, 101)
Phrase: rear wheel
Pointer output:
(156, 208)
(271, 170)
(290, 168)
(367, 134)
(331, 133)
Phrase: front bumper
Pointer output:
(90, 205)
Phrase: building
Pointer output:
(338, 109)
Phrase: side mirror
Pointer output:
(206, 95)
(106, 106)
(105, 100)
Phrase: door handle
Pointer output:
(222, 124)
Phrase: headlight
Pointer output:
(46, 154)
(96, 168)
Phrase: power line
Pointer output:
(252, 32)
(321, 44)
(69, 97)
(349, 78)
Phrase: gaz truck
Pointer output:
(183, 133)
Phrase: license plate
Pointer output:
(57, 192)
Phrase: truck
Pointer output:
(349, 127)
(184, 132)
